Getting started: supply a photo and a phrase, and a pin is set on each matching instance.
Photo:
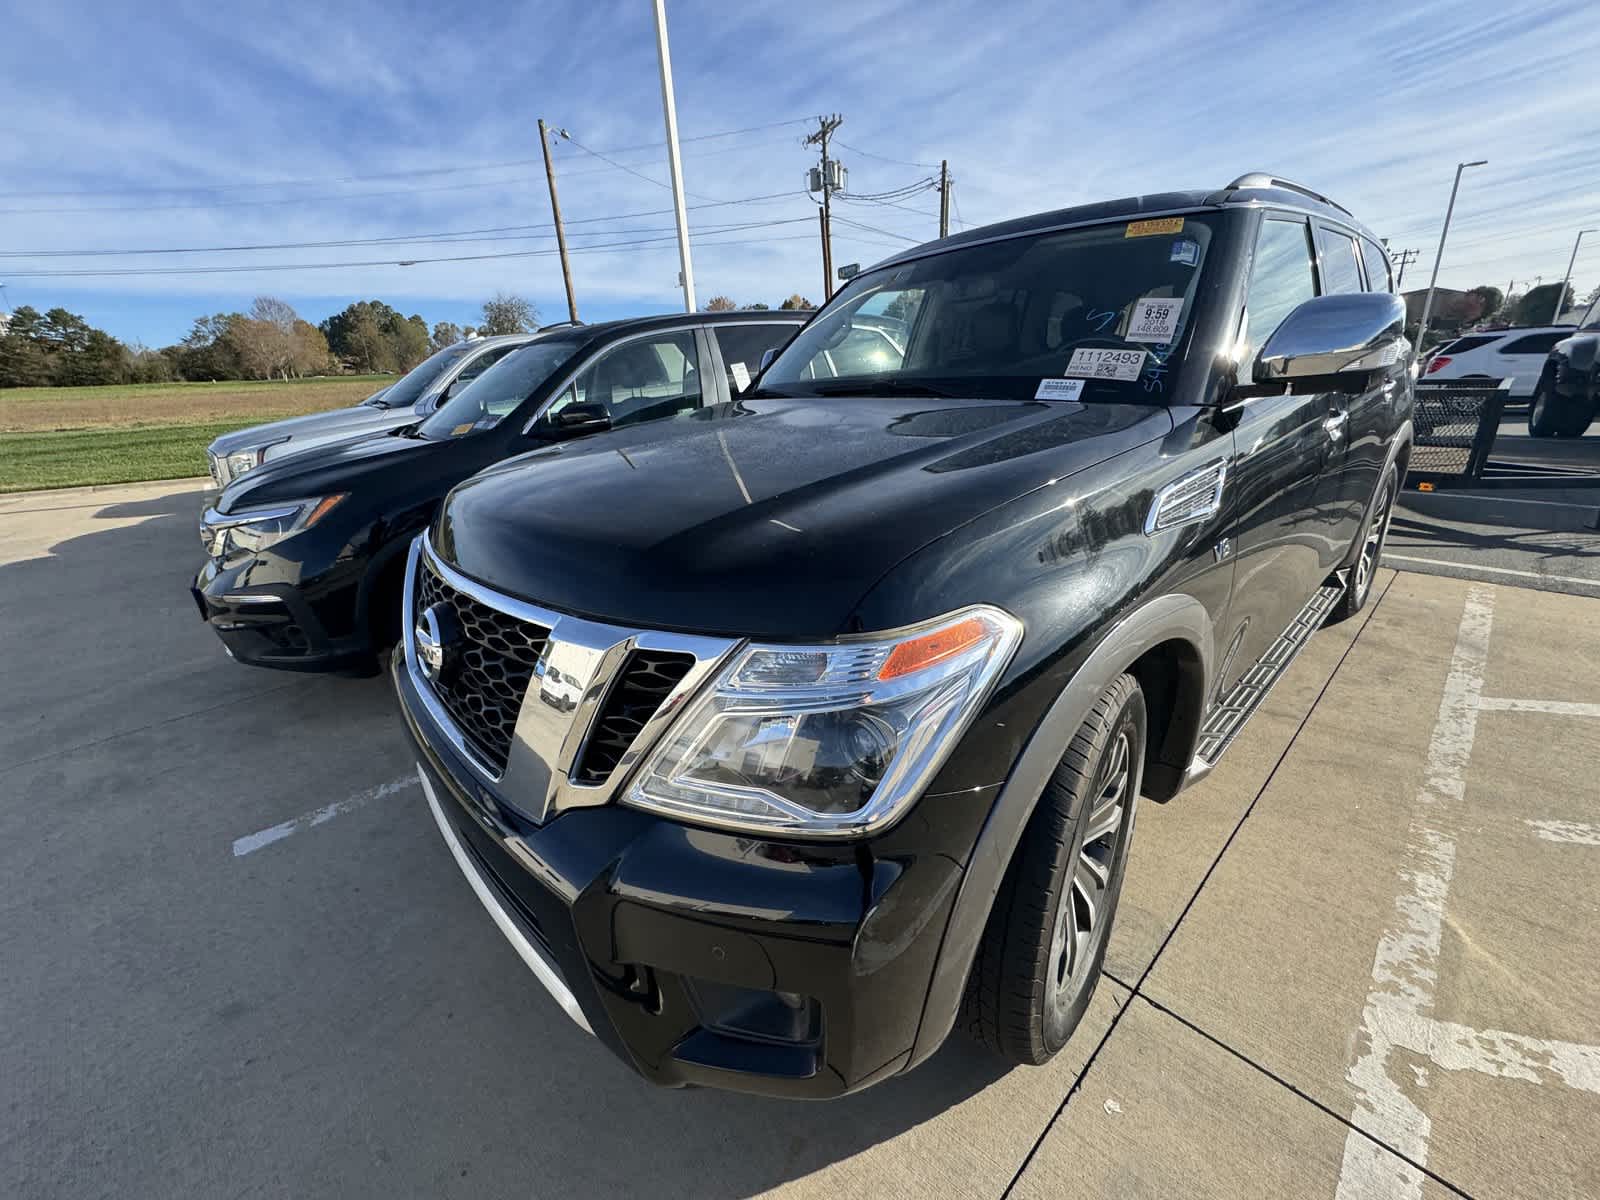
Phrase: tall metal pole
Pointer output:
(944, 197)
(1561, 294)
(561, 232)
(1427, 305)
(670, 107)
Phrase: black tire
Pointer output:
(1546, 412)
(1028, 988)
(1575, 420)
(1374, 533)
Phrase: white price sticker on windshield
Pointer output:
(1095, 363)
(1059, 389)
(1155, 319)
(741, 375)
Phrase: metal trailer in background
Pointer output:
(1456, 423)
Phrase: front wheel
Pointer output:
(1039, 960)
(1373, 535)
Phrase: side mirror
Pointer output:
(582, 418)
(1335, 342)
(767, 355)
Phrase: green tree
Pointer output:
(1490, 300)
(207, 352)
(1538, 306)
(445, 333)
(410, 339)
(24, 362)
(505, 313)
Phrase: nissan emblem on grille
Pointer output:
(438, 641)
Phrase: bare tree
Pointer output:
(720, 304)
(506, 313)
(796, 301)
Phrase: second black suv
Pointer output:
(781, 739)
(1568, 395)
(306, 554)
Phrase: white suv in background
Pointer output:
(1514, 354)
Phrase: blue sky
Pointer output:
(177, 124)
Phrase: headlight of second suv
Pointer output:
(251, 530)
(833, 740)
(240, 461)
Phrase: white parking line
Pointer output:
(1405, 966)
(1573, 833)
(252, 842)
(1559, 708)
(1454, 1047)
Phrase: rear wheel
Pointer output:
(1373, 535)
(1039, 960)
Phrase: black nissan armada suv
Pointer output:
(781, 739)
(305, 554)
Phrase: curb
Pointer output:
(1486, 508)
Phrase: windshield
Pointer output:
(409, 387)
(492, 396)
(1591, 319)
(1042, 316)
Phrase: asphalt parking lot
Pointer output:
(1360, 960)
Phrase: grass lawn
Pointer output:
(67, 437)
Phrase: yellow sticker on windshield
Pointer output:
(460, 430)
(1154, 226)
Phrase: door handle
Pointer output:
(1335, 424)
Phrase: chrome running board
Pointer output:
(1230, 714)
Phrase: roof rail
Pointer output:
(1265, 179)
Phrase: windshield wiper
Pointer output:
(885, 387)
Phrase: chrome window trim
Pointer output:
(544, 756)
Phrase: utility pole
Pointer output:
(555, 209)
(1561, 294)
(1427, 305)
(826, 126)
(1405, 258)
(944, 197)
(670, 107)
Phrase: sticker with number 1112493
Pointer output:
(1095, 363)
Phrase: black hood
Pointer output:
(766, 518)
(338, 467)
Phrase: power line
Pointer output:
(874, 229)
(899, 162)
(385, 175)
(248, 268)
(441, 237)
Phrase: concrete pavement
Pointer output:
(1358, 960)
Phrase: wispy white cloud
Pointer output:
(1036, 105)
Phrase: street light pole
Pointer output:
(669, 105)
(1561, 292)
(1427, 305)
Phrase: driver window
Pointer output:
(640, 380)
(874, 340)
(1281, 279)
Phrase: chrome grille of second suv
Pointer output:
(484, 696)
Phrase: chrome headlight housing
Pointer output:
(251, 530)
(828, 741)
(240, 461)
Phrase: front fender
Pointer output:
(1173, 617)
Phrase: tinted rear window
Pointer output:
(1535, 343)
(1462, 345)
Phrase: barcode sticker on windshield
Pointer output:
(1059, 389)
(741, 375)
(1095, 363)
(1155, 319)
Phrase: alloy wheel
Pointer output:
(1079, 920)
(1367, 564)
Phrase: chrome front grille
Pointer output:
(554, 710)
(498, 660)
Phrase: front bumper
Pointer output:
(702, 957)
(276, 624)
